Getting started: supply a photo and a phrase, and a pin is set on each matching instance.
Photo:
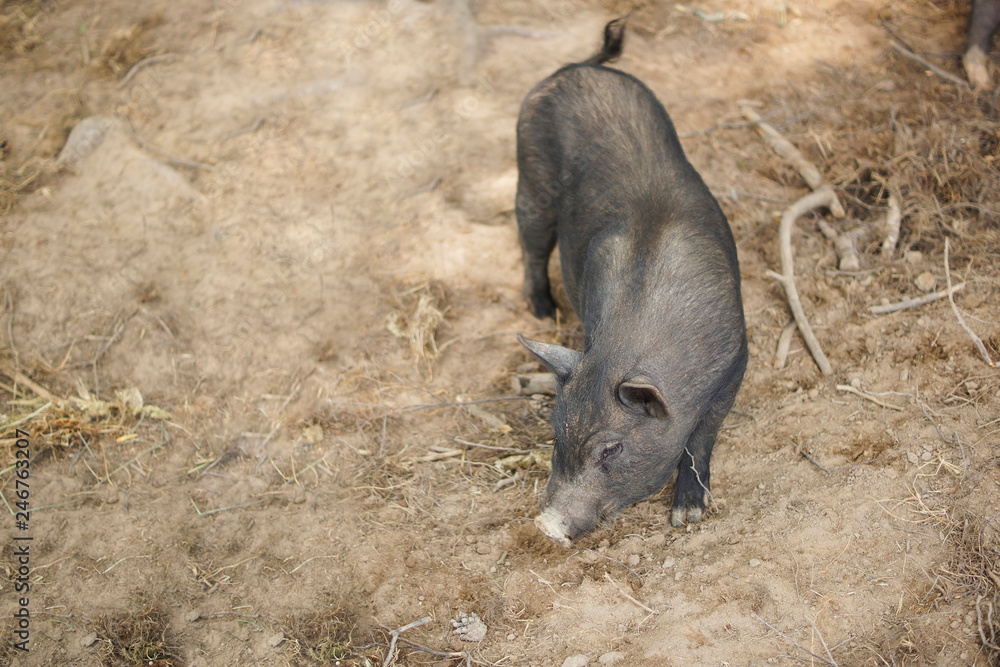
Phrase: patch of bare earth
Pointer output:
(259, 314)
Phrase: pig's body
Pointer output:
(650, 266)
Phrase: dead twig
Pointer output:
(902, 50)
(846, 245)
(143, 64)
(868, 397)
(629, 597)
(785, 149)
(958, 315)
(784, 344)
(808, 457)
(910, 302)
(395, 638)
(789, 639)
(825, 196)
(172, 159)
(893, 217)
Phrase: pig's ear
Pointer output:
(560, 360)
(640, 393)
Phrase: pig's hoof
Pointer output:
(554, 527)
(974, 62)
(681, 515)
(542, 306)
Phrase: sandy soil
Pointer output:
(296, 235)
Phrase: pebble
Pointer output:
(483, 548)
(856, 383)
(912, 458)
(669, 563)
(275, 640)
(192, 615)
(581, 660)
(611, 658)
(926, 456)
(925, 282)
(632, 560)
(511, 637)
(755, 562)
(914, 257)
(904, 375)
(89, 640)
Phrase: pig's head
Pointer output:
(619, 434)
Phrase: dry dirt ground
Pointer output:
(294, 234)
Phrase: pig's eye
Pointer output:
(611, 453)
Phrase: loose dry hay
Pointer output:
(966, 587)
(16, 182)
(419, 312)
(135, 639)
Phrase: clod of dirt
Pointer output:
(89, 640)
(581, 660)
(469, 628)
(276, 640)
(925, 282)
(611, 658)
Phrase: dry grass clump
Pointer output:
(326, 638)
(135, 639)
(419, 311)
(17, 26)
(18, 181)
(56, 424)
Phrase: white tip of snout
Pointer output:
(553, 526)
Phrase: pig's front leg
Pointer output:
(693, 472)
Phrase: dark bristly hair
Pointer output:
(614, 38)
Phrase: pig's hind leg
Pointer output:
(536, 226)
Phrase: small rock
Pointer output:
(632, 560)
(669, 563)
(483, 548)
(925, 282)
(581, 660)
(856, 383)
(275, 640)
(511, 637)
(914, 257)
(89, 640)
(469, 628)
(192, 615)
(912, 458)
(611, 658)
(755, 562)
(411, 560)
(904, 375)
(926, 456)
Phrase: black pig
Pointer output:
(649, 264)
(983, 23)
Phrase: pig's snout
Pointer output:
(555, 526)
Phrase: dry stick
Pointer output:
(172, 159)
(868, 397)
(800, 646)
(784, 148)
(907, 53)
(893, 217)
(21, 379)
(143, 64)
(961, 320)
(910, 302)
(784, 344)
(395, 637)
(820, 634)
(825, 196)
(845, 244)
(632, 599)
